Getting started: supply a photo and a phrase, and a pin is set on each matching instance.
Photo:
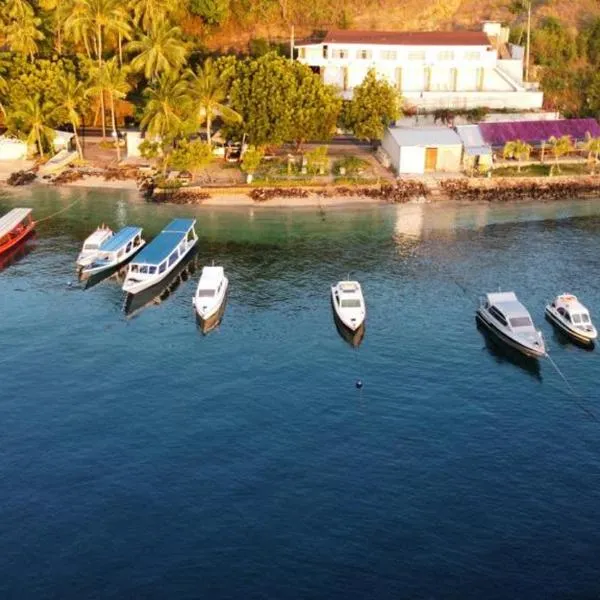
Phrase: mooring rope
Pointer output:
(62, 210)
(571, 389)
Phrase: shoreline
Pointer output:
(420, 190)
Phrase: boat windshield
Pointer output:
(350, 303)
(520, 322)
(206, 293)
(585, 318)
(90, 247)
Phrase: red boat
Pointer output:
(15, 226)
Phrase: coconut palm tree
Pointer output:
(559, 147)
(57, 13)
(517, 149)
(208, 90)
(160, 50)
(592, 145)
(32, 117)
(23, 33)
(166, 108)
(92, 20)
(70, 103)
(147, 12)
(113, 81)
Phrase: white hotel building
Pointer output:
(431, 69)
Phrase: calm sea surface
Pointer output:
(142, 459)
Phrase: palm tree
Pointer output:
(166, 108)
(114, 84)
(209, 92)
(592, 145)
(92, 20)
(57, 13)
(160, 50)
(71, 98)
(3, 93)
(517, 149)
(147, 12)
(32, 117)
(23, 33)
(559, 147)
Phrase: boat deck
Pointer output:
(12, 218)
(121, 238)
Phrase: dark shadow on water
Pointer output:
(118, 273)
(209, 325)
(354, 338)
(503, 353)
(159, 292)
(562, 339)
(20, 251)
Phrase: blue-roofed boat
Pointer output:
(161, 255)
(115, 251)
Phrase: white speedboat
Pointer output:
(349, 304)
(161, 255)
(572, 317)
(508, 320)
(210, 293)
(115, 251)
(91, 246)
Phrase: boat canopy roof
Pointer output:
(570, 303)
(12, 218)
(507, 302)
(160, 248)
(349, 289)
(99, 236)
(120, 239)
(211, 276)
(179, 225)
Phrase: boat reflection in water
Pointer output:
(354, 338)
(210, 324)
(117, 274)
(504, 353)
(18, 252)
(159, 292)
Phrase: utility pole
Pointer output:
(529, 2)
(292, 45)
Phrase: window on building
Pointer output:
(325, 51)
(417, 55)
(472, 55)
(389, 55)
(339, 53)
(446, 55)
(363, 54)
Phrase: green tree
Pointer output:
(213, 12)
(160, 50)
(208, 91)
(33, 118)
(590, 36)
(191, 156)
(251, 160)
(23, 34)
(517, 149)
(592, 146)
(553, 44)
(113, 81)
(71, 103)
(560, 147)
(375, 104)
(148, 12)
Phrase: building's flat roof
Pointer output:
(497, 134)
(473, 140)
(425, 136)
(407, 38)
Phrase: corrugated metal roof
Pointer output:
(407, 38)
(473, 140)
(497, 134)
(425, 136)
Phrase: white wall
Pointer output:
(412, 160)
(449, 158)
(392, 149)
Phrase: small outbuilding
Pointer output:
(477, 154)
(423, 149)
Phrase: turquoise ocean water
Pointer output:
(142, 459)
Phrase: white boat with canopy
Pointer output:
(572, 317)
(508, 320)
(91, 246)
(115, 251)
(161, 255)
(211, 292)
(349, 304)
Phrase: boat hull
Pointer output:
(213, 310)
(145, 284)
(351, 326)
(15, 241)
(104, 269)
(208, 324)
(509, 341)
(576, 335)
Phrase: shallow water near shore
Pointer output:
(143, 459)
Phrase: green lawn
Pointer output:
(539, 170)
